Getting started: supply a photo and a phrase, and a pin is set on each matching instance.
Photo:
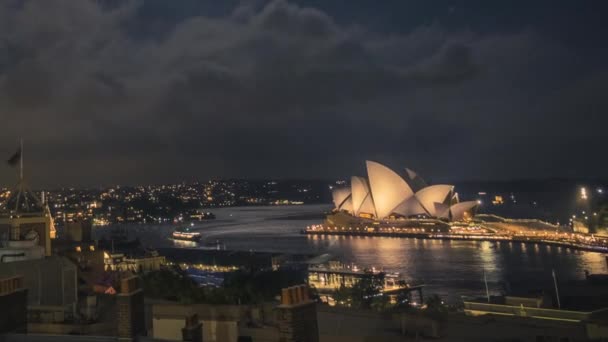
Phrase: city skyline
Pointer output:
(303, 170)
(154, 92)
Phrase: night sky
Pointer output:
(159, 91)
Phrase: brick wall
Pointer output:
(130, 305)
(297, 316)
(13, 305)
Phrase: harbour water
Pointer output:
(449, 268)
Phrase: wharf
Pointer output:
(465, 237)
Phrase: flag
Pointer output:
(15, 158)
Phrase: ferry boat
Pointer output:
(186, 234)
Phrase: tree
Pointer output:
(343, 295)
(436, 307)
(366, 293)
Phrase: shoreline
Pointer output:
(454, 237)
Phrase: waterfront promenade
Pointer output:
(585, 242)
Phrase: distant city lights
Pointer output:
(583, 193)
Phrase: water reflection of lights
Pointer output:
(588, 242)
(184, 243)
(406, 255)
(488, 256)
(385, 252)
(595, 262)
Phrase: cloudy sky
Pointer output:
(157, 91)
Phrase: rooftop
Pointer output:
(22, 201)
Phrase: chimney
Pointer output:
(13, 301)
(297, 315)
(130, 305)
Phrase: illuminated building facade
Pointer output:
(26, 226)
(142, 262)
(386, 194)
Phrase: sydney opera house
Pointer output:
(386, 196)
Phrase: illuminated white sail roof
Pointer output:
(339, 196)
(409, 207)
(433, 194)
(385, 192)
(360, 195)
(410, 173)
(347, 205)
(442, 210)
(368, 206)
(458, 210)
(387, 187)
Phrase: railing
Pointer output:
(475, 308)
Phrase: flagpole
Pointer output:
(559, 304)
(485, 280)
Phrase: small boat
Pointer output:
(186, 234)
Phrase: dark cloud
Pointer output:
(143, 91)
